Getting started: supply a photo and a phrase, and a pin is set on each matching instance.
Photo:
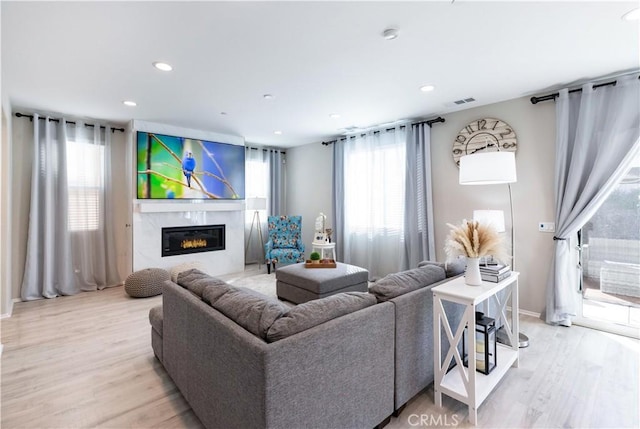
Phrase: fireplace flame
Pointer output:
(193, 244)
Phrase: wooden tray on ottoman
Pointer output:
(325, 263)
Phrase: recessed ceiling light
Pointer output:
(162, 66)
(129, 103)
(632, 15)
(390, 33)
(427, 88)
(334, 115)
(268, 97)
(223, 113)
(277, 133)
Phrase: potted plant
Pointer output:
(315, 257)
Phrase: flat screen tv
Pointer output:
(172, 167)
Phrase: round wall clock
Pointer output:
(484, 135)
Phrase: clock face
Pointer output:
(484, 135)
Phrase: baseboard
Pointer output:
(529, 313)
(525, 312)
(7, 315)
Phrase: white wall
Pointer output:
(309, 182)
(532, 194)
(309, 187)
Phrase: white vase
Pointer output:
(472, 273)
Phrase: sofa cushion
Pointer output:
(155, 318)
(451, 269)
(212, 292)
(313, 313)
(285, 243)
(251, 310)
(197, 281)
(397, 284)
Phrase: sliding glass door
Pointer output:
(611, 261)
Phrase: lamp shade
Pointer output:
(493, 217)
(256, 203)
(489, 168)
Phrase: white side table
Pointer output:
(461, 383)
(322, 247)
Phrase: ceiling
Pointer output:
(84, 59)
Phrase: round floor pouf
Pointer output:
(145, 283)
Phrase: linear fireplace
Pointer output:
(192, 239)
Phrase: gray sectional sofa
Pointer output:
(346, 361)
(412, 298)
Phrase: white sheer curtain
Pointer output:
(70, 245)
(256, 185)
(597, 138)
(373, 210)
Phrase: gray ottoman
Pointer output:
(145, 283)
(298, 284)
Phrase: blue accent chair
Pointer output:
(285, 244)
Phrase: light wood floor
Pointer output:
(86, 361)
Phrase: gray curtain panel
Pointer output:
(277, 171)
(70, 245)
(597, 137)
(338, 197)
(48, 270)
(418, 214)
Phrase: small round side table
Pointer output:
(322, 247)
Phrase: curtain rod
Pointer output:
(536, 100)
(266, 150)
(429, 122)
(22, 115)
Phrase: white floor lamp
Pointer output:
(256, 204)
(493, 168)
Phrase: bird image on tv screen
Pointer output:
(177, 168)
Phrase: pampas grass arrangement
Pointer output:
(474, 240)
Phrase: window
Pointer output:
(85, 180)
(611, 256)
(256, 175)
(374, 189)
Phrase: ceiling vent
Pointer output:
(464, 101)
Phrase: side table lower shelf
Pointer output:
(453, 386)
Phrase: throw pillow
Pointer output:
(313, 313)
(186, 266)
(403, 282)
(253, 312)
(451, 269)
(197, 281)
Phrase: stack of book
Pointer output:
(494, 273)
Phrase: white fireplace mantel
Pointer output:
(142, 206)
